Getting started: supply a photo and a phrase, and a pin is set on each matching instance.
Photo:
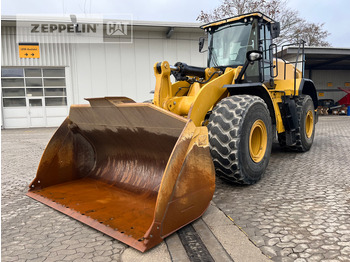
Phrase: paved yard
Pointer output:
(300, 210)
(32, 231)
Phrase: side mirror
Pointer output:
(201, 43)
(275, 30)
(254, 55)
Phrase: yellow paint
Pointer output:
(195, 100)
(195, 87)
(180, 105)
(209, 95)
(163, 85)
(29, 51)
(283, 87)
(285, 71)
(232, 19)
(309, 123)
(257, 141)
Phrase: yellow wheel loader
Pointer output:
(140, 171)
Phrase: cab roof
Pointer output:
(238, 17)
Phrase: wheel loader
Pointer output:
(140, 171)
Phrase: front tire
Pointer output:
(240, 138)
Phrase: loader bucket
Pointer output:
(132, 171)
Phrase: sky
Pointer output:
(334, 14)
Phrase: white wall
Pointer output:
(50, 54)
(110, 69)
(338, 78)
(114, 69)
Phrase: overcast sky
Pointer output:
(334, 13)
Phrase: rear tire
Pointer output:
(306, 131)
(240, 138)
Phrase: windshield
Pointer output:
(229, 44)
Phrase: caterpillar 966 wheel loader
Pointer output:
(140, 171)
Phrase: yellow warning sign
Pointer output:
(29, 50)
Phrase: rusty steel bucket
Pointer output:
(133, 171)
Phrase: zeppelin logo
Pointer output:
(93, 28)
(64, 28)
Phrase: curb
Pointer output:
(222, 239)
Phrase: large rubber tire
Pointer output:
(306, 132)
(235, 127)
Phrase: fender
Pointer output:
(256, 89)
(307, 87)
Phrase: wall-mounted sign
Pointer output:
(76, 29)
(29, 50)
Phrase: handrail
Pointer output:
(301, 49)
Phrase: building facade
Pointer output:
(327, 67)
(37, 92)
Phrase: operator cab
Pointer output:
(230, 40)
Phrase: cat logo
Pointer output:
(117, 28)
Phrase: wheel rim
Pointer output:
(309, 123)
(258, 141)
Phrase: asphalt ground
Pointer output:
(299, 211)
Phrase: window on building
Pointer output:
(12, 72)
(13, 92)
(12, 82)
(33, 72)
(19, 83)
(14, 102)
(34, 82)
(53, 72)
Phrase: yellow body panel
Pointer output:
(228, 20)
(163, 89)
(195, 100)
(285, 71)
(210, 94)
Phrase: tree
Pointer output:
(312, 33)
(293, 28)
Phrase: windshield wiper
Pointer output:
(212, 57)
(212, 54)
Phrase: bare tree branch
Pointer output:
(293, 27)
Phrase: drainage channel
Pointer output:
(193, 244)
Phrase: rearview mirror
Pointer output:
(201, 43)
(275, 30)
(254, 55)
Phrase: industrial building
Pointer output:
(37, 92)
(327, 67)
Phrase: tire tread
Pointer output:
(225, 124)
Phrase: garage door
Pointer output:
(33, 97)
